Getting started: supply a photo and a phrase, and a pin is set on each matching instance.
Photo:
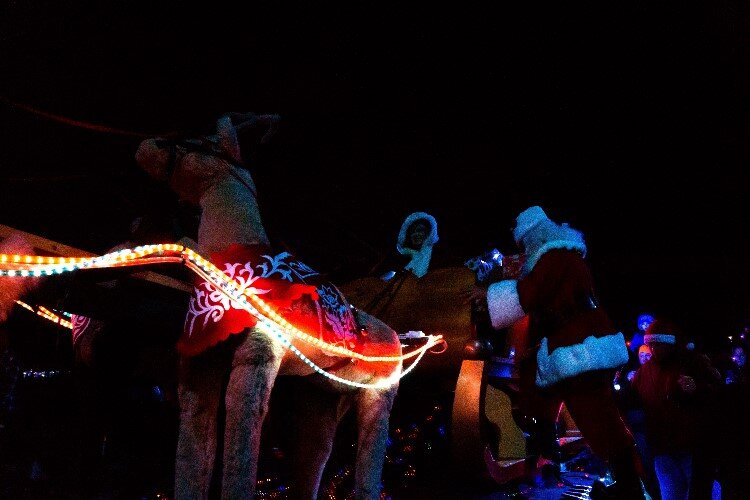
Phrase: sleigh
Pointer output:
(486, 440)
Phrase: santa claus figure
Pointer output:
(574, 346)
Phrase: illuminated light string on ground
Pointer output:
(269, 321)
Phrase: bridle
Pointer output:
(206, 146)
(203, 146)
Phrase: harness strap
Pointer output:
(192, 147)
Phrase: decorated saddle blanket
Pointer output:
(298, 293)
(83, 325)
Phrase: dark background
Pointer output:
(627, 119)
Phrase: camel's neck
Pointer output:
(230, 214)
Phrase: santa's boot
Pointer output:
(549, 461)
(627, 485)
(550, 471)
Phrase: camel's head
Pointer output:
(191, 166)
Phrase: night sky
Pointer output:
(628, 120)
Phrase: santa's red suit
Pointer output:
(575, 348)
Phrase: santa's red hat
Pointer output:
(527, 220)
(662, 331)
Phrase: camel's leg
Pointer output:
(254, 368)
(199, 392)
(316, 416)
(373, 414)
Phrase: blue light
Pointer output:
(388, 276)
(157, 394)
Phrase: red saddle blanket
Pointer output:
(294, 290)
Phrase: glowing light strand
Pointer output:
(272, 329)
(47, 314)
(229, 287)
(272, 323)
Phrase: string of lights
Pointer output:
(269, 321)
(47, 314)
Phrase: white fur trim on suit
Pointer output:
(664, 338)
(594, 353)
(504, 304)
(548, 235)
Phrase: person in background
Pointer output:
(575, 348)
(632, 411)
(737, 372)
(734, 441)
(637, 340)
(677, 389)
(415, 242)
(644, 355)
(416, 238)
